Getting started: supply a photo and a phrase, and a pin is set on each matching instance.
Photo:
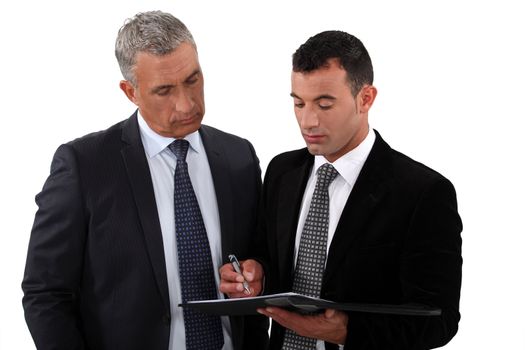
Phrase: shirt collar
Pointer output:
(351, 162)
(155, 143)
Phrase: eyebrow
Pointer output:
(321, 97)
(167, 86)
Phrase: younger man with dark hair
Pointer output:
(349, 219)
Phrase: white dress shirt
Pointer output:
(162, 163)
(348, 166)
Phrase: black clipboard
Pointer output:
(303, 304)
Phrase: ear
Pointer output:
(367, 97)
(129, 90)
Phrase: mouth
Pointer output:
(313, 138)
(187, 120)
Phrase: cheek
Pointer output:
(197, 94)
(299, 113)
(160, 110)
(297, 116)
(333, 120)
(339, 126)
(200, 102)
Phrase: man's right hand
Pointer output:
(232, 282)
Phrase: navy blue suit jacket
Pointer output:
(95, 275)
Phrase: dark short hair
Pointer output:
(348, 49)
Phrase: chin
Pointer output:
(314, 150)
(185, 130)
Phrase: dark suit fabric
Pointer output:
(95, 275)
(397, 241)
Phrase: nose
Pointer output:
(307, 118)
(184, 101)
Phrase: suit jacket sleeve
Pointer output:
(54, 259)
(430, 270)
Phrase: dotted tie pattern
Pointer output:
(195, 265)
(309, 268)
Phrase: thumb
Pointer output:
(249, 269)
(248, 275)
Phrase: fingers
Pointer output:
(232, 282)
(234, 290)
(329, 313)
(228, 274)
(328, 326)
(283, 317)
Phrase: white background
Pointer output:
(450, 76)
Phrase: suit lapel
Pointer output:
(290, 197)
(371, 186)
(142, 188)
(220, 172)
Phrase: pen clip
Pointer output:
(233, 259)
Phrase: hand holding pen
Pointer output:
(237, 268)
(241, 279)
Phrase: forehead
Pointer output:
(174, 67)
(330, 79)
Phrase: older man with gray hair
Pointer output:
(135, 219)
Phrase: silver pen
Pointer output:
(237, 268)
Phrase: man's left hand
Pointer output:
(329, 326)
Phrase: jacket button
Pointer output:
(166, 319)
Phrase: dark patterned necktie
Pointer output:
(197, 280)
(309, 268)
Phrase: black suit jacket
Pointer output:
(397, 241)
(95, 275)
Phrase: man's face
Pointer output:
(332, 121)
(169, 91)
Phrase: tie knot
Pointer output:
(180, 149)
(325, 175)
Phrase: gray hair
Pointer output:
(154, 32)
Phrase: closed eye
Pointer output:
(164, 91)
(192, 79)
(298, 102)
